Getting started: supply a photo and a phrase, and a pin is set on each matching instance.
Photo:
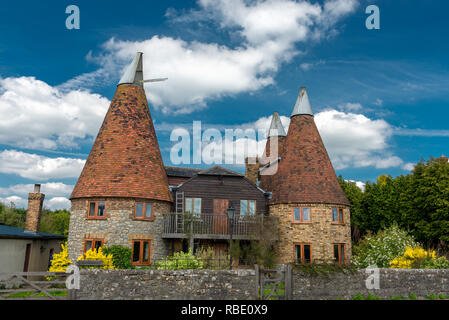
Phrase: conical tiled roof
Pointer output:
(305, 173)
(125, 160)
(276, 139)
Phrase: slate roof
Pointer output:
(305, 173)
(8, 232)
(181, 172)
(125, 160)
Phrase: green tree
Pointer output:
(355, 197)
(55, 221)
(12, 216)
(428, 202)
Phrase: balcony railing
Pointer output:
(210, 226)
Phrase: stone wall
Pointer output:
(241, 284)
(118, 228)
(392, 282)
(99, 284)
(321, 233)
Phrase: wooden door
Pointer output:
(220, 219)
(27, 257)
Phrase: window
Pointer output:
(141, 252)
(143, 211)
(337, 215)
(96, 210)
(301, 214)
(193, 205)
(339, 253)
(303, 253)
(92, 243)
(247, 208)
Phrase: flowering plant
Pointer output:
(94, 254)
(383, 247)
(417, 257)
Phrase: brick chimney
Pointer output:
(33, 217)
(252, 169)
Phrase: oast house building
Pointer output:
(126, 196)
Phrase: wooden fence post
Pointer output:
(256, 269)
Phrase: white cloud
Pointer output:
(16, 200)
(350, 107)
(37, 167)
(409, 166)
(309, 65)
(361, 185)
(50, 189)
(55, 203)
(36, 115)
(352, 140)
(198, 71)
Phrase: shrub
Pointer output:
(211, 260)
(417, 257)
(383, 247)
(60, 260)
(121, 256)
(412, 296)
(94, 254)
(180, 260)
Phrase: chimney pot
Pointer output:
(37, 188)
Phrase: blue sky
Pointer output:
(380, 97)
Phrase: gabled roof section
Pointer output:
(276, 127)
(125, 160)
(219, 171)
(302, 106)
(134, 72)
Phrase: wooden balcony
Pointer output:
(210, 226)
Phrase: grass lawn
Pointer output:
(280, 290)
(26, 294)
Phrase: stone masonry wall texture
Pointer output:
(167, 284)
(320, 232)
(33, 217)
(99, 284)
(118, 228)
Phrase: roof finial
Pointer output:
(302, 105)
(276, 127)
(134, 73)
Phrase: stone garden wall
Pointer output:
(241, 284)
(167, 284)
(392, 282)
